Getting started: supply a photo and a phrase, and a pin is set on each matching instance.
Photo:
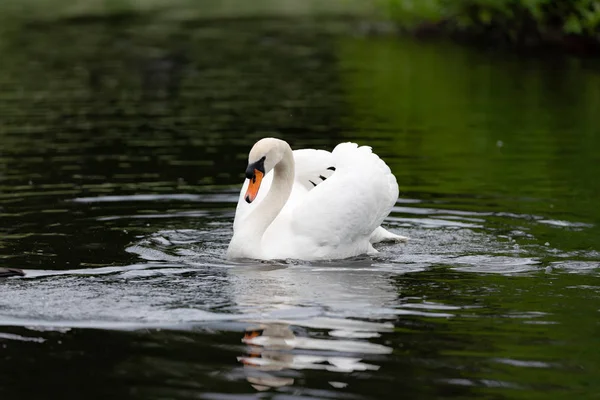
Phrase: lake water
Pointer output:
(123, 146)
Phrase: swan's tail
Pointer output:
(383, 235)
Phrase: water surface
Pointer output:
(124, 142)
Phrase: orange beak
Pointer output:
(254, 186)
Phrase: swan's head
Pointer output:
(263, 157)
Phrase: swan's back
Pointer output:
(336, 218)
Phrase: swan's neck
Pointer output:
(262, 217)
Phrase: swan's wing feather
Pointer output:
(349, 205)
(313, 167)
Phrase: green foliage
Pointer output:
(517, 19)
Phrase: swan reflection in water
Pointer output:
(262, 359)
(354, 301)
(300, 299)
(271, 349)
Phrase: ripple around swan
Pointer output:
(336, 317)
(333, 317)
(188, 262)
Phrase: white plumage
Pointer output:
(313, 204)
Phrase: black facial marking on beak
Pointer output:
(259, 165)
(331, 168)
(248, 200)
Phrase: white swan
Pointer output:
(312, 204)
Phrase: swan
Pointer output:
(312, 204)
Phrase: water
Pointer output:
(123, 147)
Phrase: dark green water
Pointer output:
(123, 145)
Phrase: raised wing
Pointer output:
(347, 207)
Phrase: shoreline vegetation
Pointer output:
(567, 25)
(571, 26)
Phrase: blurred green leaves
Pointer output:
(516, 20)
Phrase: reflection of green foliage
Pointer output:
(515, 19)
(496, 131)
(130, 80)
(518, 334)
